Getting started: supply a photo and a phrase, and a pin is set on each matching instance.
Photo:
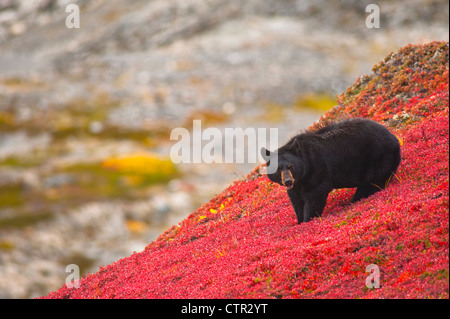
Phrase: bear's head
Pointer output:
(283, 167)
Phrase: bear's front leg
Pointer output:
(297, 203)
(314, 204)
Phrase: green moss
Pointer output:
(317, 101)
(75, 119)
(92, 181)
(10, 161)
(11, 196)
(22, 161)
(147, 137)
(24, 220)
(83, 183)
(7, 120)
(6, 245)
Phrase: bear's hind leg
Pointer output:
(364, 190)
(380, 178)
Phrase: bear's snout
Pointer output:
(287, 179)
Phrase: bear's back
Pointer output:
(353, 127)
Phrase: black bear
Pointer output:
(352, 153)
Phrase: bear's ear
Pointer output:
(265, 153)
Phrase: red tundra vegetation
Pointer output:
(245, 242)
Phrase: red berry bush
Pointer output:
(245, 243)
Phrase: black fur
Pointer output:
(353, 153)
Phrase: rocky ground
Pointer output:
(71, 99)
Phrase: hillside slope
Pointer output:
(245, 242)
